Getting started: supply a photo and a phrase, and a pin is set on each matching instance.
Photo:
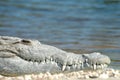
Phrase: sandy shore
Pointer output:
(107, 74)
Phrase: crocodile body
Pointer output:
(25, 56)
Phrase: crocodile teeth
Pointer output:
(78, 66)
(82, 66)
(63, 68)
(102, 66)
(51, 59)
(88, 64)
(67, 68)
(94, 66)
(73, 67)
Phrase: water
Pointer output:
(73, 25)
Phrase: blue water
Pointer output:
(73, 25)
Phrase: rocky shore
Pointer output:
(107, 74)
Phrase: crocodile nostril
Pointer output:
(26, 42)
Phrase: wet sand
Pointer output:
(108, 74)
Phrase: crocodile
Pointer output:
(19, 56)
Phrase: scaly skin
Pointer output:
(24, 56)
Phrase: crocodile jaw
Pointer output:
(16, 66)
(96, 60)
(20, 56)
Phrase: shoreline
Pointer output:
(107, 74)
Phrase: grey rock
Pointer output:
(24, 56)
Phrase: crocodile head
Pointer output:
(24, 56)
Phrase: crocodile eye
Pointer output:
(26, 42)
